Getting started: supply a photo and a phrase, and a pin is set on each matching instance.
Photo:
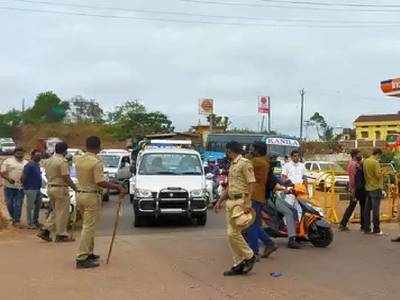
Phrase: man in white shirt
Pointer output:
(11, 170)
(294, 170)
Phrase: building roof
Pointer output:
(378, 118)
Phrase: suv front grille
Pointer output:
(165, 194)
(173, 204)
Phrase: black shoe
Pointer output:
(44, 235)
(93, 257)
(293, 244)
(235, 271)
(343, 228)
(86, 264)
(397, 240)
(64, 239)
(269, 250)
(249, 264)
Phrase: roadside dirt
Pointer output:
(186, 265)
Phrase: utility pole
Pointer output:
(269, 115)
(302, 93)
(23, 104)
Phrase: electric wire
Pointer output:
(287, 6)
(185, 14)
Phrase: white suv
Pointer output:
(169, 181)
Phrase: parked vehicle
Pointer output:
(279, 145)
(312, 225)
(7, 146)
(168, 180)
(326, 174)
(117, 164)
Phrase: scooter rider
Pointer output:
(277, 200)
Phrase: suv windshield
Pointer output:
(170, 164)
(329, 167)
(110, 161)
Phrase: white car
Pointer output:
(74, 152)
(169, 181)
(326, 173)
(7, 146)
(114, 160)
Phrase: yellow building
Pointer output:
(376, 127)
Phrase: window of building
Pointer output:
(364, 126)
(392, 126)
(391, 132)
(378, 126)
(377, 135)
(364, 134)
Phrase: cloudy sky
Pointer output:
(170, 53)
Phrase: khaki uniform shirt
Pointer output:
(90, 172)
(56, 167)
(260, 165)
(13, 169)
(241, 174)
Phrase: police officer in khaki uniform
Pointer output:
(241, 182)
(58, 183)
(91, 181)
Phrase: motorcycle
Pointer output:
(312, 225)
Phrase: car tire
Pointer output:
(140, 221)
(202, 219)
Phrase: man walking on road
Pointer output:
(11, 170)
(58, 184)
(32, 183)
(374, 187)
(255, 232)
(91, 181)
(238, 195)
(357, 190)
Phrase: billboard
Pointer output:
(263, 105)
(391, 87)
(206, 106)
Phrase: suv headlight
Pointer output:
(197, 193)
(142, 193)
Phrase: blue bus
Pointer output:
(278, 145)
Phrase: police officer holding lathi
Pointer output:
(91, 182)
(239, 214)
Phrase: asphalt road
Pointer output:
(164, 225)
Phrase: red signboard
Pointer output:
(391, 87)
(206, 106)
(263, 105)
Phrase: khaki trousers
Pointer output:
(89, 207)
(239, 247)
(57, 221)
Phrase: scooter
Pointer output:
(312, 226)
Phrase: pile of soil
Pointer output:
(73, 134)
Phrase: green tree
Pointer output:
(48, 108)
(83, 110)
(324, 131)
(132, 119)
(9, 121)
(218, 121)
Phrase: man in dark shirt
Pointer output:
(32, 183)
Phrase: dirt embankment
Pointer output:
(74, 134)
